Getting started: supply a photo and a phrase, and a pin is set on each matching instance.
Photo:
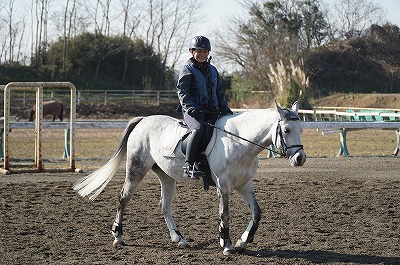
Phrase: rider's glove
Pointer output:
(227, 111)
(192, 112)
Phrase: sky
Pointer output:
(216, 14)
(392, 7)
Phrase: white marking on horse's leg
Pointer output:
(117, 233)
(249, 196)
(168, 185)
(224, 239)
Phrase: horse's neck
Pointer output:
(254, 126)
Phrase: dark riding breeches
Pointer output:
(195, 140)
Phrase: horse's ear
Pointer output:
(279, 109)
(295, 106)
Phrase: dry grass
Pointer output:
(91, 144)
(375, 100)
(359, 143)
(98, 145)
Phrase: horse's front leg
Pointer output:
(249, 196)
(224, 239)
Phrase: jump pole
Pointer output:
(38, 86)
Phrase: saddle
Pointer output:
(175, 147)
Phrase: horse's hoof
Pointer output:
(118, 241)
(228, 251)
(182, 244)
(240, 246)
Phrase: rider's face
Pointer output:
(200, 55)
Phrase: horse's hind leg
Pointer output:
(168, 185)
(249, 196)
(134, 174)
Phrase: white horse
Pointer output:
(231, 154)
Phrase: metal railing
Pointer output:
(102, 96)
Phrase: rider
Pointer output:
(200, 93)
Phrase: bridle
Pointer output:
(284, 146)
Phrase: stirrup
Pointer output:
(190, 171)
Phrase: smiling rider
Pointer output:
(200, 95)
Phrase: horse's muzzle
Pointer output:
(298, 159)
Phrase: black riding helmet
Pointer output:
(200, 42)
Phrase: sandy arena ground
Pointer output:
(331, 211)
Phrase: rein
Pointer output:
(284, 146)
(244, 139)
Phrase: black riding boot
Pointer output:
(192, 152)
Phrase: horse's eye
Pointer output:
(286, 131)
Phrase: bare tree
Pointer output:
(19, 54)
(167, 26)
(101, 9)
(65, 37)
(106, 9)
(12, 32)
(3, 34)
(40, 37)
(271, 33)
(355, 16)
(68, 29)
(130, 24)
(164, 25)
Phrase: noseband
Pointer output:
(284, 147)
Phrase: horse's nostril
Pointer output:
(301, 160)
(298, 159)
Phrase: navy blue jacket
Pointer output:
(200, 88)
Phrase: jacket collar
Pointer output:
(199, 65)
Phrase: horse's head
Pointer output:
(288, 135)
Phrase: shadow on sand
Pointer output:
(320, 256)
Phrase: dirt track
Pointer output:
(331, 211)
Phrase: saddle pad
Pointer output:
(170, 139)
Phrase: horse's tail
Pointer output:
(94, 183)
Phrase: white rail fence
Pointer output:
(341, 127)
(345, 114)
(325, 119)
(344, 119)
